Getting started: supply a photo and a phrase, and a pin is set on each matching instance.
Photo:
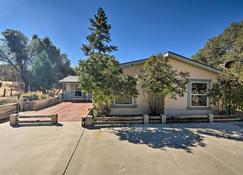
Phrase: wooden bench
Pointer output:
(15, 118)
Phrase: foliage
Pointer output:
(223, 47)
(42, 73)
(8, 73)
(100, 35)
(59, 61)
(160, 80)
(19, 54)
(7, 101)
(227, 47)
(14, 52)
(227, 93)
(31, 96)
(101, 75)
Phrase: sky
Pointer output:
(140, 28)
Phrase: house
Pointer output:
(71, 90)
(195, 100)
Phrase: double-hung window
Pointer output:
(198, 93)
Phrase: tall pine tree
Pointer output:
(99, 38)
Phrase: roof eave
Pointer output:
(178, 57)
(192, 62)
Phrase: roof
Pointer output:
(177, 57)
(70, 79)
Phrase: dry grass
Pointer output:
(8, 85)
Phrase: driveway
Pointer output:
(173, 149)
(67, 111)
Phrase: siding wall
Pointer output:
(171, 107)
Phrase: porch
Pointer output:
(76, 95)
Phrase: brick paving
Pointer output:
(67, 111)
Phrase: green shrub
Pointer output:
(7, 101)
(31, 96)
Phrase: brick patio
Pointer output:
(67, 111)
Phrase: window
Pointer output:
(125, 101)
(198, 94)
(72, 87)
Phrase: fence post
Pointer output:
(210, 118)
(4, 92)
(88, 121)
(145, 119)
(13, 119)
(163, 118)
(54, 119)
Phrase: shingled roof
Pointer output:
(69, 79)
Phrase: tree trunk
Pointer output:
(26, 82)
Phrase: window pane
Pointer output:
(124, 100)
(199, 88)
(199, 100)
(78, 93)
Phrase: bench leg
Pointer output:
(54, 119)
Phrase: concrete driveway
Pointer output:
(171, 149)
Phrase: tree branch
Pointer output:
(5, 58)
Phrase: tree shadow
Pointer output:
(230, 131)
(161, 137)
(178, 136)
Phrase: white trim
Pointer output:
(190, 93)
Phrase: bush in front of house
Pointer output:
(227, 94)
(31, 96)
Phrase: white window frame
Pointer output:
(124, 105)
(208, 82)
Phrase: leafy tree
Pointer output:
(42, 73)
(227, 93)
(14, 51)
(59, 61)
(17, 52)
(220, 49)
(160, 80)
(101, 75)
(100, 35)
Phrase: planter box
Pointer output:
(6, 110)
(40, 104)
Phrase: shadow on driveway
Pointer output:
(160, 138)
(177, 136)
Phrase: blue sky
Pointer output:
(140, 28)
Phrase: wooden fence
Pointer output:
(6, 110)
